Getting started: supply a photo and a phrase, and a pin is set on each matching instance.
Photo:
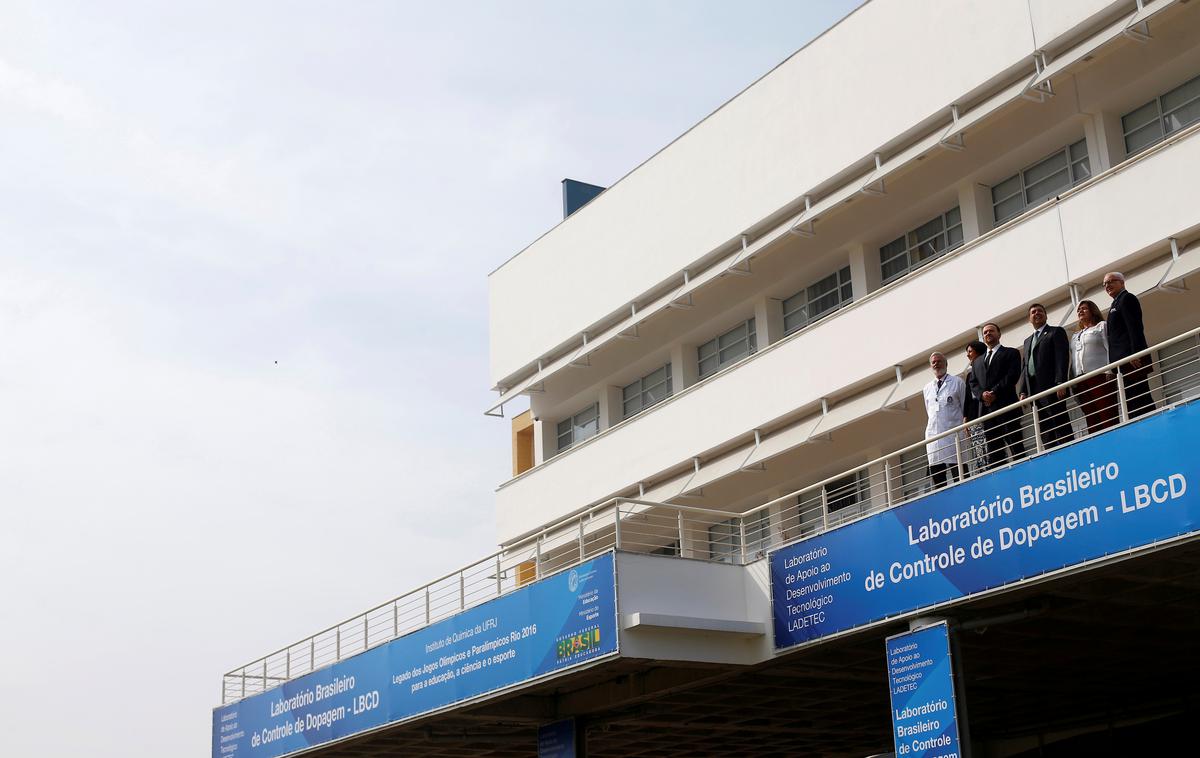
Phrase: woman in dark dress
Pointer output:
(973, 409)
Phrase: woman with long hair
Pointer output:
(973, 409)
(1096, 395)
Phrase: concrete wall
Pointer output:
(698, 592)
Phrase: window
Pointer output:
(579, 427)
(724, 538)
(645, 392)
(731, 346)
(1046, 178)
(914, 476)
(671, 549)
(1180, 370)
(848, 497)
(817, 301)
(921, 245)
(1162, 116)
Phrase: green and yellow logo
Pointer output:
(578, 643)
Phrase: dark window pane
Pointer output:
(1147, 114)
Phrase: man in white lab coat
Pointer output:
(944, 400)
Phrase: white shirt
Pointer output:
(1089, 349)
(944, 407)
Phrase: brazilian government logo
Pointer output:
(577, 644)
(573, 581)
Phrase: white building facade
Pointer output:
(724, 355)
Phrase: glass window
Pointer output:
(645, 392)
(722, 541)
(1162, 116)
(671, 549)
(724, 538)
(817, 301)
(914, 478)
(733, 345)
(848, 497)
(923, 244)
(579, 427)
(1044, 179)
(1180, 367)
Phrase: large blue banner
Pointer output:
(558, 622)
(921, 686)
(1125, 489)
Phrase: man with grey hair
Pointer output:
(945, 397)
(1126, 336)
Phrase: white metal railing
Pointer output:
(721, 535)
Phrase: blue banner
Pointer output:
(1111, 493)
(556, 623)
(921, 684)
(556, 740)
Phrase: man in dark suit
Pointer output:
(1126, 336)
(997, 372)
(1046, 362)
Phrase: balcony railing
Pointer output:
(719, 535)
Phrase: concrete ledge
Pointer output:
(666, 621)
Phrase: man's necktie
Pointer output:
(1032, 350)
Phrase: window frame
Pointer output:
(727, 535)
(910, 248)
(642, 389)
(810, 319)
(1160, 118)
(751, 340)
(1075, 176)
(573, 423)
(855, 489)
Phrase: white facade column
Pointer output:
(685, 367)
(768, 321)
(865, 276)
(540, 452)
(612, 410)
(975, 206)
(1105, 140)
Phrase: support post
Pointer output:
(1122, 401)
(1037, 429)
(887, 484)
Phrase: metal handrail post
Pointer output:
(1122, 401)
(312, 653)
(264, 676)
(1037, 429)
(537, 558)
(366, 632)
(887, 484)
(499, 578)
(287, 664)
(428, 615)
(742, 537)
(462, 591)
(679, 527)
(958, 461)
(824, 510)
(395, 619)
(581, 547)
(337, 650)
(617, 529)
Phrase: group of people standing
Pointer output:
(998, 377)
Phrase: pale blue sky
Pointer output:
(193, 192)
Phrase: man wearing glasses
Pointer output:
(1126, 336)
